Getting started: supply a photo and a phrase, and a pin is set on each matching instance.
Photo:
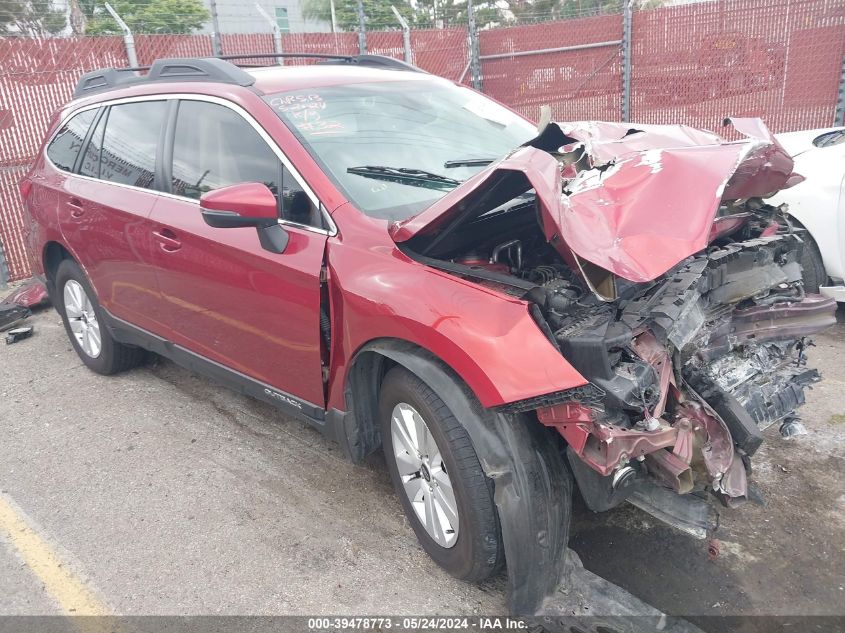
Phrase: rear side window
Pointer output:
(65, 146)
(129, 144)
(215, 147)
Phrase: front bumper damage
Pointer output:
(673, 288)
(723, 368)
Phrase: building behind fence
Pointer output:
(782, 60)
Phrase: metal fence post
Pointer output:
(839, 117)
(362, 29)
(627, 30)
(277, 33)
(333, 15)
(128, 39)
(216, 47)
(4, 269)
(406, 34)
(474, 49)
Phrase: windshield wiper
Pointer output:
(468, 162)
(406, 176)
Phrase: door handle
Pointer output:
(167, 240)
(76, 208)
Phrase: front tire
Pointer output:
(85, 325)
(436, 473)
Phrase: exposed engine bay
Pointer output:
(681, 304)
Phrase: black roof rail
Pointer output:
(176, 69)
(383, 61)
(326, 56)
(374, 61)
(104, 79)
(216, 69)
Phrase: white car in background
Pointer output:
(818, 205)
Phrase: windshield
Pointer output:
(395, 147)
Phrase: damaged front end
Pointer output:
(649, 257)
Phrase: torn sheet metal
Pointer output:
(30, 294)
(640, 199)
(519, 171)
(647, 212)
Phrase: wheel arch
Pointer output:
(359, 433)
(532, 486)
(52, 256)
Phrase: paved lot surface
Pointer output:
(162, 493)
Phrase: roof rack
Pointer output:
(325, 56)
(220, 69)
(188, 69)
(374, 61)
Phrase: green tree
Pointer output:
(545, 10)
(378, 12)
(31, 17)
(145, 16)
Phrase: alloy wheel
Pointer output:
(424, 475)
(82, 318)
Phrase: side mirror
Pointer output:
(246, 204)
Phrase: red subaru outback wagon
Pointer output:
(404, 263)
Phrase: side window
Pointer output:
(90, 165)
(296, 205)
(65, 146)
(128, 153)
(215, 147)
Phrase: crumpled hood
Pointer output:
(645, 201)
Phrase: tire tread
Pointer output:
(114, 357)
(488, 552)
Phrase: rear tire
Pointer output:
(85, 324)
(473, 551)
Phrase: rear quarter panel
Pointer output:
(41, 205)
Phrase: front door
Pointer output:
(229, 300)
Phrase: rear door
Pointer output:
(229, 300)
(105, 207)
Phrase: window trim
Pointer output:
(164, 153)
(80, 157)
(82, 145)
(274, 147)
(107, 112)
(104, 117)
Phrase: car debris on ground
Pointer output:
(32, 293)
(18, 306)
(18, 334)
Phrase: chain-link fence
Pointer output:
(37, 76)
(573, 65)
(694, 64)
(779, 59)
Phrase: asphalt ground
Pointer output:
(159, 492)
